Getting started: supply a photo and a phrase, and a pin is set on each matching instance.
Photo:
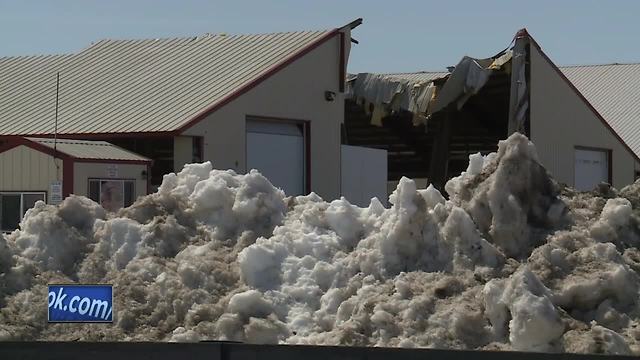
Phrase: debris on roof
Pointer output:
(613, 91)
(424, 93)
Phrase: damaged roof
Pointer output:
(132, 86)
(416, 92)
(614, 92)
(420, 76)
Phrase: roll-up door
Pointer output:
(277, 150)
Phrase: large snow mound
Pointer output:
(511, 261)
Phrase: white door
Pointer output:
(277, 150)
(363, 174)
(591, 168)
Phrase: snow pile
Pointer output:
(521, 307)
(512, 261)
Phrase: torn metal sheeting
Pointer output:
(423, 93)
(468, 77)
(394, 92)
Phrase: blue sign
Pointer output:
(80, 303)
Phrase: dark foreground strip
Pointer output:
(237, 351)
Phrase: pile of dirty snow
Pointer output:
(511, 261)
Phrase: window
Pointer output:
(13, 206)
(112, 194)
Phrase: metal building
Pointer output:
(273, 102)
(582, 119)
(44, 169)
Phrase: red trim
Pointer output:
(8, 146)
(274, 119)
(586, 102)
(104, 136)
(243, 89)
(14, 141)
(521, 33)
(67, 177)
(342, 74)
(113, 161)
(67, 161)
(45, 192)
(94, 178)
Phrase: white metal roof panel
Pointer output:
(614, 91)
(90, 150)
(124, 86)
(422, 76)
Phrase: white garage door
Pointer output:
(591, 168)
(277, 150)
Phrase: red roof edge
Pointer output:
(114, 161)
(243, 89)
(15, 141)
(524, 32)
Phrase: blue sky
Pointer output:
(396, 36)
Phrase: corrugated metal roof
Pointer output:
(614, 91)
(91, 150)
(422, 76)
(123, 86)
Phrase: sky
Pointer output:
(396, 36)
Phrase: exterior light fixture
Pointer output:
(329, 95)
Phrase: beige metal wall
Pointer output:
(182, 151)
(82, 172)
(25, 169)
(295, 92)
(560, 120)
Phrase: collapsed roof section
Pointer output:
(412, 91)
(430, 122)
(426, 93)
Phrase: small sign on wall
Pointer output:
(112, 170)
(55, 193)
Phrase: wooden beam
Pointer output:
(439, 166)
